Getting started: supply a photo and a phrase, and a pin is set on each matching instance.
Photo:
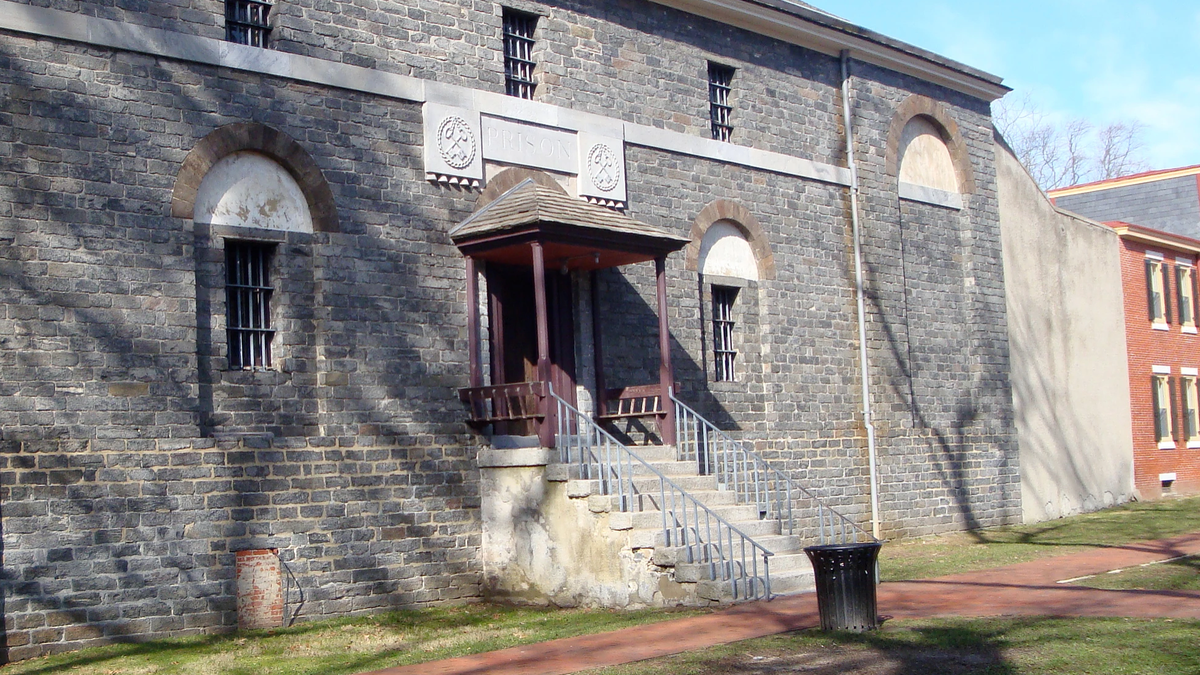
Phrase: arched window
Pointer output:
(250, 191)
(728, 263)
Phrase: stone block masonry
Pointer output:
(135, 464)
(116, 539)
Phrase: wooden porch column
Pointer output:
(546, 428)
(666, 375)
(473, 328)
(597, 347)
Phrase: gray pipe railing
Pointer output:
(755, 481)
(687, 524)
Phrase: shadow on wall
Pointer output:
(633, 325)
(947, 434)
(392, 336)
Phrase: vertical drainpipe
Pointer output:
(858, 291)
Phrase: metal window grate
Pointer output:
(246, 22)
(248, 304)
(723, 332)
(720, 82)
(518, 53)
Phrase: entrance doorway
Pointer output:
(514, 353)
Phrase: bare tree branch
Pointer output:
(1058, 155)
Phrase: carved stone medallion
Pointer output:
(604, 167)
(456, 142)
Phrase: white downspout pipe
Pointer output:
(858, 291)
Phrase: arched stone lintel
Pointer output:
(918, 105)
(732, 212)
(255, 137)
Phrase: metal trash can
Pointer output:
(845, 575)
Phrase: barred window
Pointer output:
(724, 352)
(720, 81)
(246, 22)
(518, 53)
(248, 304)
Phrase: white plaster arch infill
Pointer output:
(924, 158)
(249, 189)
(927, 155)
(725, 252)
(725, 235)
(268, 144)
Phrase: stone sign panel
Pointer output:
(458, 141)
(526, 145)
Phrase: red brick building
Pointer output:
(1159, 275)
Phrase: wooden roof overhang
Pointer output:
(574, 234)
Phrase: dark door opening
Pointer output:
(514, 351)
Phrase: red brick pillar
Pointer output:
(259, 589)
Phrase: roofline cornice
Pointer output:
(1126, 181)
(829, 35)
(1146, 235)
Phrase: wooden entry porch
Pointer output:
(536, 233)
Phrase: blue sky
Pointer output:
(1102, 60)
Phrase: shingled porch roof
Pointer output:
(575, 234)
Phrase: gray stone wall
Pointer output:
(106, 539)
(639, 62)
(121, 512)
(936, 326)
(105, 290)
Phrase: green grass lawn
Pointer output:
(982, 549)
(344, 645)
(360, 644)
(1024, 646)
(1175, 575)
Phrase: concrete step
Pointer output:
(738, 516)
(690, 483)
(652, 536)
(787, 583)
(792, 582)
(668, 467)
(780, 569)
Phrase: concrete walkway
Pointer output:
(1026, 589)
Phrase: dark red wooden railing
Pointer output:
(505, 402)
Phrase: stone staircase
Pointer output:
(790, 570)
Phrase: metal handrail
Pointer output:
(707, 538)
(754, 480)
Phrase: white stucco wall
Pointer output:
(543, 543)
(1066, 328)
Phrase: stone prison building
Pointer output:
(422, 302)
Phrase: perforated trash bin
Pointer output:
(845, 576)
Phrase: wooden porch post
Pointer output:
(473, 328)
(597, 346)
(546, 428)
(666, 375)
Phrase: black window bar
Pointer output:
(720, 82)
(723, 331)
(518, 53)
(248, 305)
(246, 22)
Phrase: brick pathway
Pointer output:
(1025, 589)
